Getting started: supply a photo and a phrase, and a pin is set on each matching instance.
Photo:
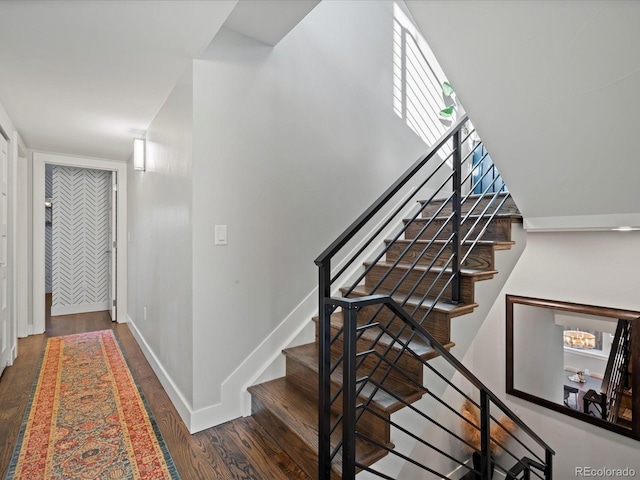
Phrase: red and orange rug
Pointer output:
(87, 417)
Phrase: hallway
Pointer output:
(239, 449)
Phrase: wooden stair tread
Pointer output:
(515, 217)
(473, 196)
(625, 414)
(496, 244)
(451, 309)
(292, 407)
(309, 356)
(465, 272)
(419, 347)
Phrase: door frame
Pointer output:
(8, 331)
(39, 161)
(113, 246)
(21, 238)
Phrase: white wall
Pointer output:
(552, 90)
(594, 268)
(5, 122)
(538, 366)
(291, 144)
(584, 362)
(160, 266)
(23, 239)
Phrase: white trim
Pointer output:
(581, 223)
(179, 402)
(18, 264)
(587, 353)
(39, 161)
(21, 235)
(82, 308)
(459, 471)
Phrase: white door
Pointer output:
(112, 251)
(4, 210)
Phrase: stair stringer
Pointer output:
(463, 331)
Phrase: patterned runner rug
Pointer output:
(87, 417)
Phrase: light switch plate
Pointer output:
(221, 235)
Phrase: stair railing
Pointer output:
(354, 405)
(437, 176)
(615, 375)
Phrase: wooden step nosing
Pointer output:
(336, 320)
(481, 243)
(465, 272)
(473, 196)
(452, 310)
(423, 350)
(498, 216)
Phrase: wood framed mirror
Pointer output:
(579, 360)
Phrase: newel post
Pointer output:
(324, 370)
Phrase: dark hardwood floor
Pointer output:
(239, 449)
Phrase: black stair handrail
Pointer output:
(524, 467)
(384, 199)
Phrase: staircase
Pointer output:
(424, 278)
(616, 390)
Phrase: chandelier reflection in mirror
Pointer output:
(579, 339)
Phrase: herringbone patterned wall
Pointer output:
(48, 193)
(80, 238)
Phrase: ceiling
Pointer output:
(552, 88)
(86, 77)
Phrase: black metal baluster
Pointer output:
(350, 315)
(548, 460)
(457, 217)
(324, 377)
(485, 435)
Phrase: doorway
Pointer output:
(116, 174)
(80, 240)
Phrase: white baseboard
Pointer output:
(13, 356)
(179, 402)
(584, 223)
(235, 399)
(460, 471)
(82, 308)
(31, 330)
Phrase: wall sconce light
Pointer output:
(139, 154)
